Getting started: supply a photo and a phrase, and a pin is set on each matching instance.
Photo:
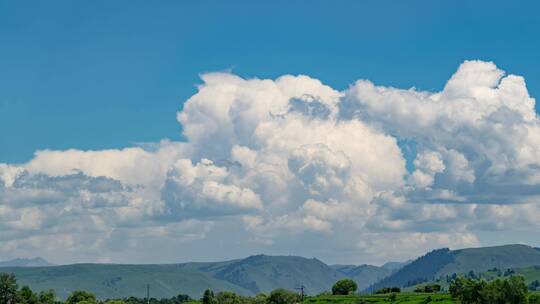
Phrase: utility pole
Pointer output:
(147, 293)
(301, 288)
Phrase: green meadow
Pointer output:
(402, 298)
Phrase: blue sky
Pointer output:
(239, 159)
(107, 74)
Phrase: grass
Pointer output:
(401, 298)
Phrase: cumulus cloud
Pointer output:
(291, 158)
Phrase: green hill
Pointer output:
(247, 277)
(35, 262)
(483, 259)
(444, 262)
(114, 281)
(365, 275)
(263, 273)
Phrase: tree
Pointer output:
(27, 296)
(208, 297)
(344, 287)
(79, 296)
(261, 298)
(47, 297)
(283, 296)
(516, 290)
(534, 299)
(227, 297)
(181, 298)
(499, 291)
(467, 290)
(8, 288)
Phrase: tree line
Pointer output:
(511, 290)
(464, 289)
(10, 293)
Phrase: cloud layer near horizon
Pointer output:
(270, 163)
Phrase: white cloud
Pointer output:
(288, 158)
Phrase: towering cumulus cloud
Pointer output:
(270, 163)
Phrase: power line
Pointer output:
(302, 294)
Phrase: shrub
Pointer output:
(534, 299)
(208, 297)
(344, 287)
(283, 296)
(227, 297)
(388, 290)
(81, 296)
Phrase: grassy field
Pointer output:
(401, 298)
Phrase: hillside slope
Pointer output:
(364, 275)
(247, 276)
(35, 262)
(482, 259)
(447, 262)
(116, 281)
(263, 273)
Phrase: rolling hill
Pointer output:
(35, 262)
(444, 262)
(262, 273)
(247, 276)
(364, 275)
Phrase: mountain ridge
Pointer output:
(442, 262)
(26, 262)
(263, 273)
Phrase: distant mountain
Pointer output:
(364, 275)
(35, 262)
(395, 266)
(447, 262)
(247, 276)
(262, 273)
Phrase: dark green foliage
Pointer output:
(228, 297)
(8, 288)
(179, 299)
(79, 296)
(258, 299)
(510, 291)
(27, 296)
(9, 293)
(499, 291)
(534, 299)
(47, 297)
(534, 285)
(208, 297)
(283, 296)
(344, 287)
(388, 290)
